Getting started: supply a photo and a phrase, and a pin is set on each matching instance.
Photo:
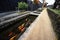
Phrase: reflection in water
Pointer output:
(21, 28)
(13, 34)
(13, 37)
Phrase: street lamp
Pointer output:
(43, 4)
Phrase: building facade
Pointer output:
(10, 5)
(57, 4)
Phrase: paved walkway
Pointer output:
(40, 29)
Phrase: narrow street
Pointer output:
(40, 29)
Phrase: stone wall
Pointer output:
(55, 18)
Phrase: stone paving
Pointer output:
(40, 29)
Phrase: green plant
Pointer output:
(22, 5)
(55, 10)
